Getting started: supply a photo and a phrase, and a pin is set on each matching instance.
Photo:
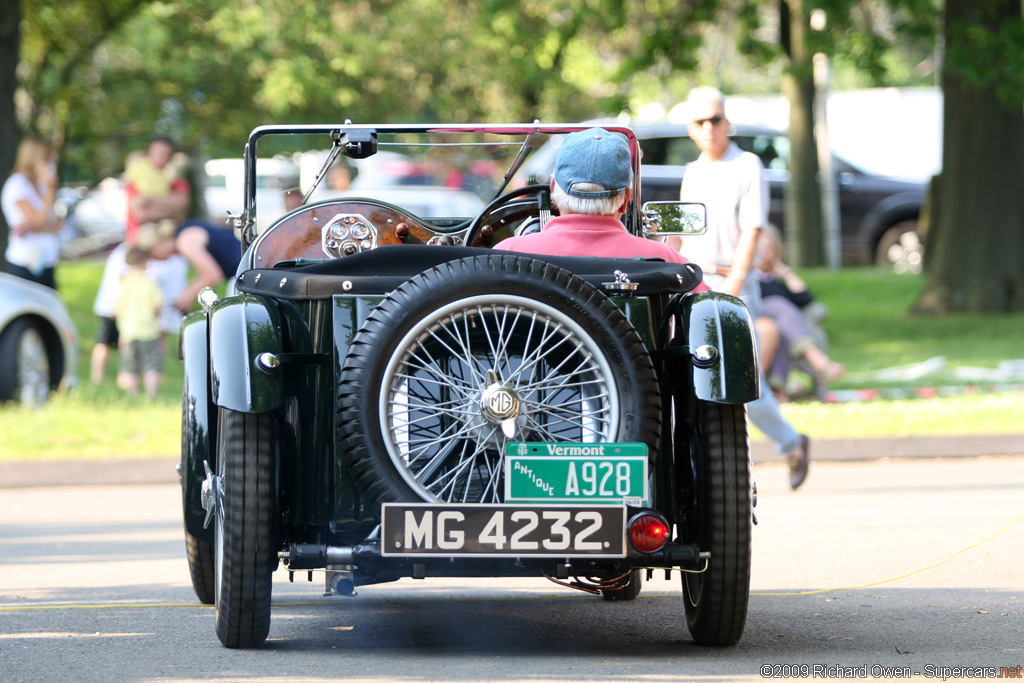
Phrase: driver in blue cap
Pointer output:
(591, 186)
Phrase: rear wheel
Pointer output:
(200, 554)
(628, 590)
(244, 547)
(438, 381)
(900, 248)
(23, 353)
(200, 567)
(716, 599)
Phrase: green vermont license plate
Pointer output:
(614, 473)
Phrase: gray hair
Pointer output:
(599, 206)
(705, 94)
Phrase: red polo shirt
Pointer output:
(584, 235)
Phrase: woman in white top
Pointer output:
(27, 201)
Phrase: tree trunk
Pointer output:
(978, 241)
(10, 20)
(805, 237)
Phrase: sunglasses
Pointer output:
(713, 120)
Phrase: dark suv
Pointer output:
(878, 214)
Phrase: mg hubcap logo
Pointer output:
(499, 403)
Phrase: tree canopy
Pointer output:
(103, 76)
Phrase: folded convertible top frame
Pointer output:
(385, 268)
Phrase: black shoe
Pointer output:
(799, 461)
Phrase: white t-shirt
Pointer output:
(735, 191)
(170, 273)
(33, 250)
(113, 269)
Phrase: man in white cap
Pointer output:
(591, 186)
(731, 183)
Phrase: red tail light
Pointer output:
(648, 532)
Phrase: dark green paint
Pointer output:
(197, 442)
(242, 327)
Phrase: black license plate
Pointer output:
(436, 530)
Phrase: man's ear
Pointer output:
(626, 195)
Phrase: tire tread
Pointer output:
(243, 605)
(720, 612)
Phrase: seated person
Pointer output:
(789, 324)
(784, 339)
(591, 186)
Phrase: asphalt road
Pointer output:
(94, 587)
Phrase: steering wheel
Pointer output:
(475, 229)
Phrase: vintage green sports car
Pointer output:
(383, 396)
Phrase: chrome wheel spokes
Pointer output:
(480, 372)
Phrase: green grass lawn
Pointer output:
(869, 328)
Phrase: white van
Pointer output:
(225, 179)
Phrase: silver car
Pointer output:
(38, 342)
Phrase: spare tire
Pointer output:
(474, 353)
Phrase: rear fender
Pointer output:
(197, 430)
(730, 373)
(241, 328)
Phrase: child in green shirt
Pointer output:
(137, 313)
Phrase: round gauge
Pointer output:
(360, 231)
(339, 231)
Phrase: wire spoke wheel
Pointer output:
(438, 382)
(479, 372)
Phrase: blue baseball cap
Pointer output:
(594, 156)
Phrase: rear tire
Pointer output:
(900, 248)
(716, 599)
(27, 363)
(244, 546)
(200, 553)
(631, 590)
(200, 565)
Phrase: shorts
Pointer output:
(141, 356)
(106, 332)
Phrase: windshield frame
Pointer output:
(520, 131)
